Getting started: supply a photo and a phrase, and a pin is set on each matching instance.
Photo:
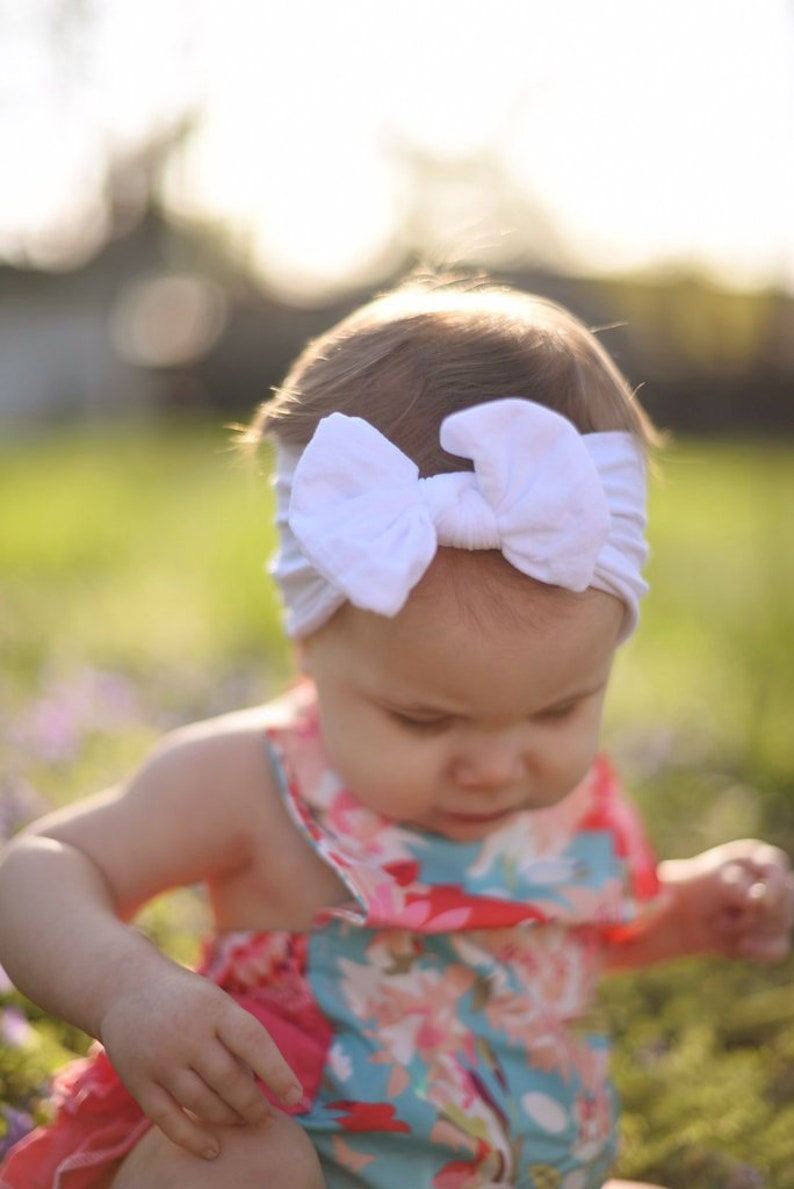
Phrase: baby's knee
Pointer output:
(630, 1185)
(274, 1155)
(286, 1157)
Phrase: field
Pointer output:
(132, 598)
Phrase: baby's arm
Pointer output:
(736, 900)
(182, 1047)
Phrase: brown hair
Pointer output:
(410, 357)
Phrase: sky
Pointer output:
(607, 135)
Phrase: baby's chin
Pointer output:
(467, 827)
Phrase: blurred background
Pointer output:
(189, 189)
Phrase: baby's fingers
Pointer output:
(178, 1125)
(771, 896)
(246, 1038)
(191, 1091)
(233, 1082)
(761, 947)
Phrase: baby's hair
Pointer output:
(433, 346)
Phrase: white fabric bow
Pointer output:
(564, 508)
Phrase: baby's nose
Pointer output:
(489, 763)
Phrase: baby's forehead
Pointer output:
(476, 602)
(481, 586)
(509, 645)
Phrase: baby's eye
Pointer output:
(558, 713)
(420, 722)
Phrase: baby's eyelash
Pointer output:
(558, 712)
(420, 724)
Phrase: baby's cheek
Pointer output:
(573, 763)
(382, 780)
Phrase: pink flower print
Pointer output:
(482, 1142)
(588, 1142)
(369, 836)
(593, 1114)
(399, 1081)
(459, 1174)
(304, 761)
(472, 1121)
(445, 908)
(466, 1174)
(543, 1038)
(587, 905)
(385, 903)
(532, 984)
(418, 913)
(413, 1037)
(447, 1133)
(554, 968)
(277, 961)
(347, 816)
(413, 1015)
(488, 1168)
(349, 1157)
(561, 967)
(541, 834)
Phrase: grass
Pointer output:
(132, 598)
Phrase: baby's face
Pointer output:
(454, 722)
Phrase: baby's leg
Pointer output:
(277, 1155)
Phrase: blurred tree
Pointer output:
(466, 208)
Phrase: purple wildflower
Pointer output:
(20, 802)
(55, 726)
(14, 1125)
(15, 1030)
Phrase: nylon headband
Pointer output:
(356, 523)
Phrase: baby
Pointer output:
(419, 862)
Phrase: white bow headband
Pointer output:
(357, 524)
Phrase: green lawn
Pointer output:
(132, 597)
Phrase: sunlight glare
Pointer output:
(639, 134)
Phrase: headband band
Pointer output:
(357, 524)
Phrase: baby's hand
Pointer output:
(738, 899)
(188, 1054)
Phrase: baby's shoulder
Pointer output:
(228, 750)
(236, 745)
(219, 779)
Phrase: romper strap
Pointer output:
(320, 842)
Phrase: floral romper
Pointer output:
(439, 1020)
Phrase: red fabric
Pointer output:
(614, 813)
(368, 1116)
(304, 1040)
(97, 1122)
